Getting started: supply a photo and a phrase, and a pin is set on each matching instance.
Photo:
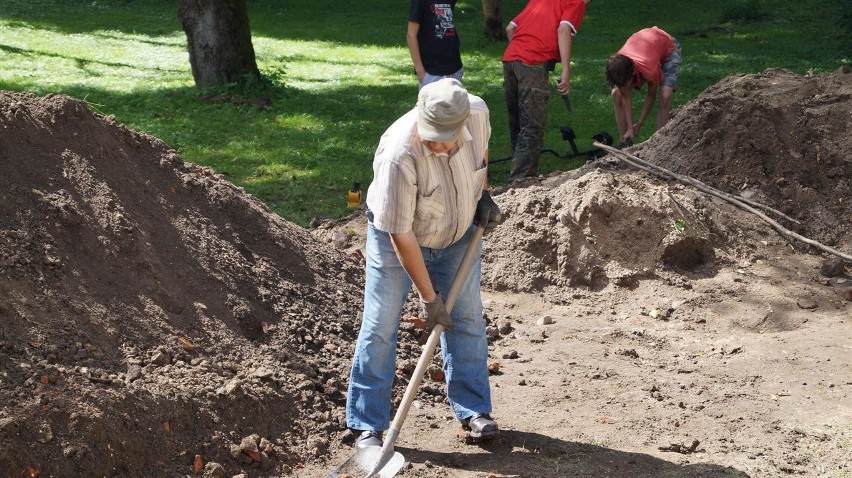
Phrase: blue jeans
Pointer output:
(464, 347)
(430, 78)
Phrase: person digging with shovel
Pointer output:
(429, 189)
(648, 56)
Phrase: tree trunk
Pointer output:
(493, 12)
(219, 41)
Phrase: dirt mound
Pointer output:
(779, 138)
(151, 311)
(595, 228)
(776, 138)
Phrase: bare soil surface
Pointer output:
(156, 320)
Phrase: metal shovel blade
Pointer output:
(364, 460)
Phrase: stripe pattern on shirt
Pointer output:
(433, 195)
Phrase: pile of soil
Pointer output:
(776, 138)
(151, 311)
(156, 320)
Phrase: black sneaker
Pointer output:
(367, 438)
(481, 426)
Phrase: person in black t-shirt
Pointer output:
(433, 41)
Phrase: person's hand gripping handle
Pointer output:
(436, 313)
(565, 98)
(487, 213)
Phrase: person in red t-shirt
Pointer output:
(650, 55)
(539, 37)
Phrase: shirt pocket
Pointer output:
(430, 208)
(478, 176)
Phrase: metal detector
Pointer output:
(569, 136)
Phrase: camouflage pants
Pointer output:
(527, 90)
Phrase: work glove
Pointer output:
(487, 212)
(436, 313)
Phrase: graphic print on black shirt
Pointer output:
(443, 20)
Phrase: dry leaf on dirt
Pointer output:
(187, 344)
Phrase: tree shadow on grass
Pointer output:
(80, 62)
(528, 455)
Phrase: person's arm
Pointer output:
(564, 34)
(414, 49)
(408, 251)
(510, 30)
(646, 108)
(626, 98)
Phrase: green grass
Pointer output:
(339, 74)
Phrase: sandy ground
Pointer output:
(741, 372)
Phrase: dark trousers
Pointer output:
(527, 90)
